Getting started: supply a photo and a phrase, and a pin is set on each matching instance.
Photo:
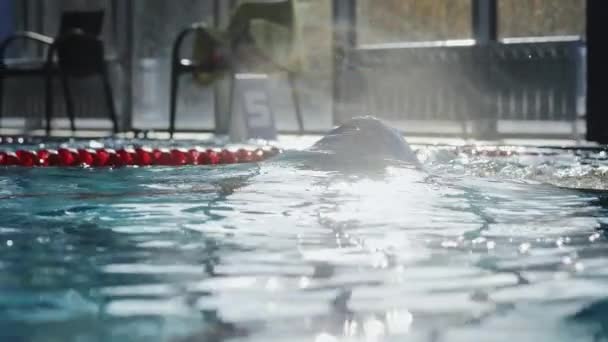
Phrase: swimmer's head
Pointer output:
(368, 138)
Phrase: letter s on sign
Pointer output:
(257, 110)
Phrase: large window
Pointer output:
(314, 81)
(537, 18)
(157, 23)
(412, 20)
(391, 21)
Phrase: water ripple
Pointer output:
(474, 248)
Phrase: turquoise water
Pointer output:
(475, 248)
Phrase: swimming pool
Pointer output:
(479, 248)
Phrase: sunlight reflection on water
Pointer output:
(472, 248)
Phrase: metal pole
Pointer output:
(485, 33)
(25, 8)
(22, 23)
(344, 43)
(222, 88)
(485, 21)
(597, 71)
(216, 89)
(127, 53)
(40, 10)
(114, 8)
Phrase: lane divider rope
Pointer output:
(141, 156)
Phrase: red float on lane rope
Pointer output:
(26, 158)
(227, 157)
(143, 157)
(3, 158)
(101, 158)
(213, 157)
(123, 157)
(65, 157)
(178, 158)
(192, 156)
(43, 157)
(12, 159)
(85, 157)
(244, 156)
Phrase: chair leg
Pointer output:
(69, 100)
(49, 103)
(173, 100)
(1, 97)
(231, 99)
(296, 102)
(109, 98)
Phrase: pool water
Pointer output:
(474, 248)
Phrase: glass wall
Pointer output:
(390, 21)
(315, 76)
(529, 94)
(158, 22)
(139, 34)
(428, 20)
(537, 18)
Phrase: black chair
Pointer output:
(214, 51)
(77, 52)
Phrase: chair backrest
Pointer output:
(279, 12)
(210, 54)
(264, 34)
(264, 30)
(90, 22)
(79, 49)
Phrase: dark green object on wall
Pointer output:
(261, 36)
(7, 23)
(597, 72)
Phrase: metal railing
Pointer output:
(462, 83)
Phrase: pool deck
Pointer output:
(423, 132)
(292, 141)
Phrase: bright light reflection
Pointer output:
(379, 260)
(524, 248)
(479, 240)
(272, 307)
(325, 337)
(273, 284)
(399, 321)
(350, 328)
(594, 237)
(374, 329)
